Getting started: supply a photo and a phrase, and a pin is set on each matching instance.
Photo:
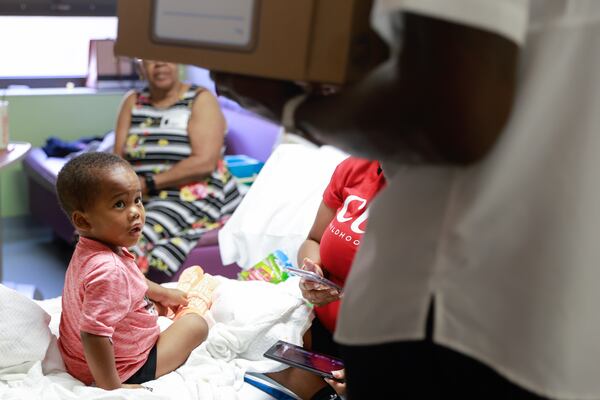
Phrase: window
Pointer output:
(59, 7)
(45, 51)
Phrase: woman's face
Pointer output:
(160, 74)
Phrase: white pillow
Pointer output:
(280, 207)
(24, 331)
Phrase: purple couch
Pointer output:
(247, 134)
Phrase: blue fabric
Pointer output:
(56, 147)
(268, 388)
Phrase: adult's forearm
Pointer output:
(309, 249)
(186, 171)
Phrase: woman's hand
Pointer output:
(317, 294)
(339, 387)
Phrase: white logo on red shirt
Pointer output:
(341, 215)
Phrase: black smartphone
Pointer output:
(296, 356)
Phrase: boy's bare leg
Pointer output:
(177, 342)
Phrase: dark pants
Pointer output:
(322, 339)
(423, 370)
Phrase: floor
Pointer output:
(32, 255)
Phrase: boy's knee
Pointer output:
(198, 327)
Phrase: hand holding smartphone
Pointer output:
(296, 356)
(314, 277)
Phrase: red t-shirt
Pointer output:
(354, 183)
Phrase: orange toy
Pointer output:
(199, 287)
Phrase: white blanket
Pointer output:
(247, 318)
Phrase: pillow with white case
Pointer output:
(281, 205)
(24, 332)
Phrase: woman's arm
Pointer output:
(206, 130)
(123, 123)
(310, 248)
(100, 357)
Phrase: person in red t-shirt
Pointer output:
(333, 242)
(329, 251)
(335, 237)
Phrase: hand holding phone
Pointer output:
(315, 288)
(296, 356)
(339, 382)
(323, 283)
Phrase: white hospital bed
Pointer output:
(247, 316)
(276, 213)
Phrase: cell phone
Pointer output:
(296, 356)
(313, 277)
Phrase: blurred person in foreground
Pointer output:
(477, 276)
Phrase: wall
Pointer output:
(35, 117)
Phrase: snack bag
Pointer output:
(270, 269)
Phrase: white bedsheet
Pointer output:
(247, 318)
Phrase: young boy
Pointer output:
(108, 329)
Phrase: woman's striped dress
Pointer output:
(178, 216)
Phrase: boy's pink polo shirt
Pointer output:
(104, 294)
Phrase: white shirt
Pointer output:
(510, 248)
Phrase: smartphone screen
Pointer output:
(297, 356)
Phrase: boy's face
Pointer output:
(117, 215)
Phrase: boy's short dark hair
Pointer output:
(80, 180)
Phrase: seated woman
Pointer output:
(172, 133)
(329, 251)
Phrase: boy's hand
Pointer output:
(169, 299)
(173, 298)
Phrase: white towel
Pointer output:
(249, 317)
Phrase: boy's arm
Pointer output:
(155, 291)
(100, 358)
(165, 296)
